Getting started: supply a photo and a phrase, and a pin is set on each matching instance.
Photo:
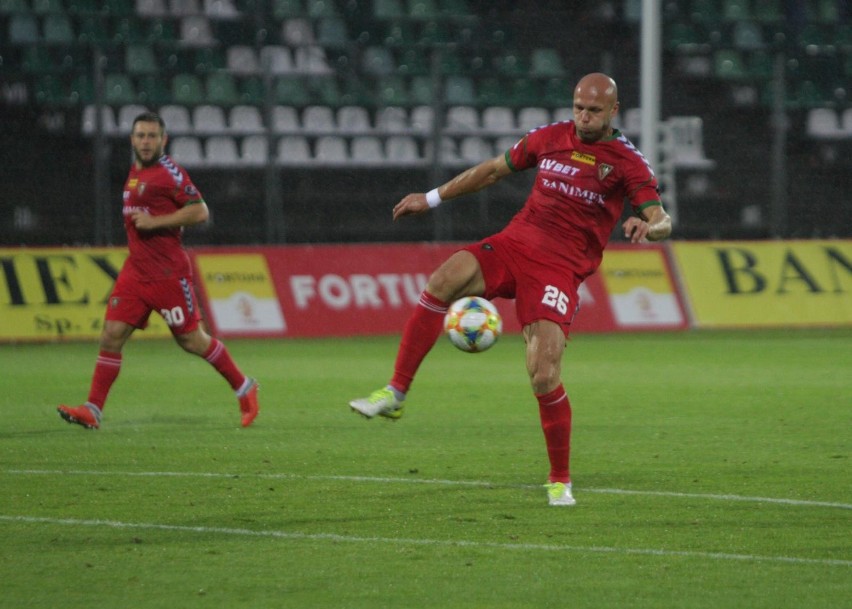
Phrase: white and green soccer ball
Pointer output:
(473, 324)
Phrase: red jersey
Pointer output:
(160, 189)
(579, 190)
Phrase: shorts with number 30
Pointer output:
(543, 286)
(132, 302)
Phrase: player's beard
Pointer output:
(155, 156)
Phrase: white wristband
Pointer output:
(433, 199)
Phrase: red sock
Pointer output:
(107, 367)
(555, 411)
(418, 337)
(218, 356)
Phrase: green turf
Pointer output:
(711, 469)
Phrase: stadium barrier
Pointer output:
(370, 289)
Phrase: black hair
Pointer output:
(150, 117)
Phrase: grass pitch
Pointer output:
(711, 469)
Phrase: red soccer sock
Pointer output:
(555, 411)
(418, 337)
(107, 367)
(218, 357)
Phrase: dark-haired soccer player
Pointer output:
(159, 201)
(585, 171)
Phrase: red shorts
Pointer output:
(543, 285)
(132, 301)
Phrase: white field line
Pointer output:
(528, 547)
(439, 482)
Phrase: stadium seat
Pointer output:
(186, 151)
(242, 59)
(195, 30)
(392, 91)
(532, 117)
(846, 123)
(546, 62)
(221, 151)
(285, 119)
(254, 150)
(475, 149)
(401, 150)
(221, 9)
(822, 123)
(421, 9)
(318, 119)
(90, 114)
(119, 89)
(353, 119)
(139, 59)
(57, 29)
(297, 32)
(498, 119)
(459, 91)
(291, 91)
(187, 89)
(221, 88)
(293, 150)
(332, 33)
(126, 115)
(23, 29)
(687, 139)
(152, 8)
(284, 9)
(377, 61)
(388, 9)
(462, 118)
(177, 119)
(208, 119)
(244, 119)
(422, 119)
(331, 150)
(311, 60)
(182, 8)
(367, 150)
(278, 58)
(391, 119)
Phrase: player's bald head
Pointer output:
(597, 86)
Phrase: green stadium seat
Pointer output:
(377, 61)
(11, 7)
(140, 59)
(285, 9)
(332, 33)
(58, 29)
(292, 90)
(767, 11)
(221, 89)
(321, 8)
(421, 90)
(459, 91)
(392, 91)
(49, 91)
(119, 90)
(388, 9)
(92, 31)
(47, 7)
(412, 62)
(82, 90)
(23, 29)
(546, 62)
(435, 32)
(400, 33)
(729, 65)
(37, 59)
(735, 10)
(128, 30)
(153, 90)
(421, 9)
(187, 90)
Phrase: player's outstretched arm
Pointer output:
(469, 181)
(655, 225)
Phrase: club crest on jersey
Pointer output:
(603, 171)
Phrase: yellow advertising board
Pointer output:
(59, 293)
(767, 283)
(240, 293)
(640, 288)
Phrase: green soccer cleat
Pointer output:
(559, 493)
(381, 402)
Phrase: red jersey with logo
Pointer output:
(160, 189)
(579, 191)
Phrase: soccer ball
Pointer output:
(473, 324)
